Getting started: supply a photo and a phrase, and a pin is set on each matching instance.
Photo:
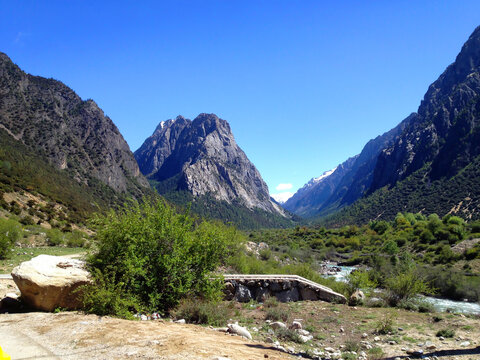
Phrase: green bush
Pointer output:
(277, 314)
(288, 335)
(55, 237)
(200, 311)
(10, 232)
(446, 333)
(405, 282)
(359, 280)
(154, 257)
(386, 324)
(75, 239)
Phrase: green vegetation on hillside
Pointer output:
(208, 207)
(459, 194)
(22, 170)
(380, 245)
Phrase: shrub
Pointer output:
(375, 353)
(446, 333)
(277, 314)
(386, 324)
(55, 237)
(359, 280)
(405, 282)
(288, 335)
(75, 239)
(158, 257)
(10, 232)
(200, 311)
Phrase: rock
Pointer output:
(429, 345)
(303, 332)
(262, 294)
(307, 293)
(288, 295)
(48, 282)
(181, 321)
(229, 291)
(10, 303)
(376, 338)
(304, 338)
(342, 330)
(239, 330)
(296, 325)
(269, 340)
(290, 350)
(278, 325)
(391, 342)
(329, 349)
(465, 344)
(243, 294)
(364, 335)
(336, 356)
(357, 298)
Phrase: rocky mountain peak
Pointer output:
(203, 158)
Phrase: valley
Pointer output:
(185, 254)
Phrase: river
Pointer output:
(441, 305)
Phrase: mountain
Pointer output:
(434, 164)
(426, 163)
(309, 199)
(346, 183)
(445, 130)
(56, 127)
(200, 161)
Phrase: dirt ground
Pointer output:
(71, 335)
(75, 336)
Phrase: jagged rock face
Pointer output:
(347, 183)
(444, 133)
(203, 158)
(445, 130)
(73, 134)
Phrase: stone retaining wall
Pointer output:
(244, 290)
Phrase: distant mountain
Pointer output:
(346, 183)
(200, 161)
(55, 125)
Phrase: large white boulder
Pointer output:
(48, 282)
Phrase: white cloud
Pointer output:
(281, 187)
(282, 197)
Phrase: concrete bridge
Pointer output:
(244, 288)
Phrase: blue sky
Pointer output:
(303, 84)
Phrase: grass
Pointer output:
(20, 254)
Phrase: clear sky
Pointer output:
(303, 84)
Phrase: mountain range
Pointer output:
(435, 148)
(65, 148)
